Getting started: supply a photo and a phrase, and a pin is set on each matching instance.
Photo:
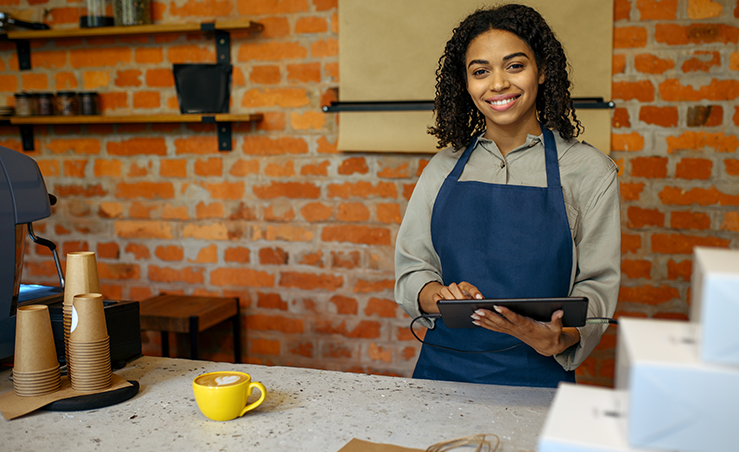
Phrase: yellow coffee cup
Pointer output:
(222, 396)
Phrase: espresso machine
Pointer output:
(23, 200)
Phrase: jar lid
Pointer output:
(88, 93)
(45, 94)
(24, 94)
(66, 93)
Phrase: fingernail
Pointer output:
(480, 313)
(497, 309)
(478, 296)
(476, 317)
(476, 323)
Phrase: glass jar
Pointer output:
(25, 104)
(89, 103)
(94, 14)
(66, 103)
(131, 12)
(44, 104)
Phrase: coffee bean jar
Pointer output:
(66, 103)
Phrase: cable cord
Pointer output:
(455, 349)
(601, 320)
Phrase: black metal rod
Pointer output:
(420, 105)
(428, 105)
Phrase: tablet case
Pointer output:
(457, 313)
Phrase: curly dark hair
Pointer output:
(458, 121)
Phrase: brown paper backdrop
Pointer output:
(389, 50)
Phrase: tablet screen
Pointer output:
(457, 313)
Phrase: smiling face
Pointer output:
(503, 80)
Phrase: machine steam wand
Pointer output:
(49, 244)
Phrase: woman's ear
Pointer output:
(542, 75)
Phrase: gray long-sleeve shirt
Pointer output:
(591, 191)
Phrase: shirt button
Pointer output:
(502, 164)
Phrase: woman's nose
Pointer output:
(499, 81)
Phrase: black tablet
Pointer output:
(457, 313)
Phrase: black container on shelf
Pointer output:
(96, 21)
(203, 88)
(89, 103)
(93, 15)
(44, 104)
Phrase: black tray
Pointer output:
(93, 401)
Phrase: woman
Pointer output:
(510, 209)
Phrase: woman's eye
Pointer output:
(478, 72)
(516, 66)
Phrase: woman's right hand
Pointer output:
(434, 291)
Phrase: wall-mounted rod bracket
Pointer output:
(26, 131)
(224, 132)
(23, 49)
(223, 47)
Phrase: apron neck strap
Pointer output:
(550, 159)
(457, 171)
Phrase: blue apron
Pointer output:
(510, 241)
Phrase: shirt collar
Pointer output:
(490, 146)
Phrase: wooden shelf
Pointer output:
(221, 29)
(222, 25)
(134, 119)
(224, 120)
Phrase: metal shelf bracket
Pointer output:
(23, 50)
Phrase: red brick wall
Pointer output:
(675, 139)
(304, 234)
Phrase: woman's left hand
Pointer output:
(547, 338)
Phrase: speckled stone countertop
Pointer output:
(305, 410)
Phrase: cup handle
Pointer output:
(262, 391)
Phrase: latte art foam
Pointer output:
(221, 379)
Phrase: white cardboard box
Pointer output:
(584, 419)
(715, 303)
(674, 400)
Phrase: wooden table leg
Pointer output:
(165, 344)
(194, 337)
(237, 334)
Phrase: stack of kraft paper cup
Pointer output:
(81, 278)
(88, 350)
(35, 367)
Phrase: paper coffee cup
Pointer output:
(34, 340)
(88, 319)
(32, 384)
(88, 348)
(38, 391)
(81, 275)
(41, 374)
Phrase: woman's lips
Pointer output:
(502, 103)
